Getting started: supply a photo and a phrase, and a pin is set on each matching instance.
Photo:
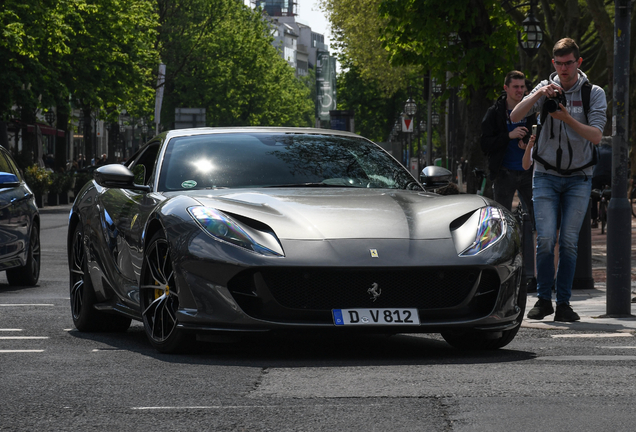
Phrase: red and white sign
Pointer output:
(407, 124)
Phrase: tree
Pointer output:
(219, 56)
(356, 29)
(99, 51)
(474, 40)
(375, 112)
(112, 58)
(36, 37)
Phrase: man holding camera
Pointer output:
(572, 122)
(500, 140)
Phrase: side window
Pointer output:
(4, 164)
(144, 166)
(14, 168)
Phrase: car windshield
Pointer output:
(239, 160)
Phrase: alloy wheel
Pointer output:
(160, 299)
(77, 274)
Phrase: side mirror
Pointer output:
(117, 176)
(8, 180)
(435, 177)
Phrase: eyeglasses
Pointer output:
(566, 64)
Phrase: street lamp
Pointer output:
(531, 38)
(50, 117)
(410, 107)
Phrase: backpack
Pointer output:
(586, 90)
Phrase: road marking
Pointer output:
(213, 407)
(106, 349)
(10, 330)
(593, 335)
(22, 337)
(617, 347)
(20, 351)
(24, 304)
(589, 358)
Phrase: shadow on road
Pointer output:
(309, 350)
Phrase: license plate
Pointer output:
(375, 317)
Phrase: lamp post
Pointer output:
(410, 109)
(123, 118)
(619, 232)
(144, 131)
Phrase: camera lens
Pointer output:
(552, 104)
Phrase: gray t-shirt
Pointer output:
(581, 152)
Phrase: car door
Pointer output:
(124, 213)
(15, 213)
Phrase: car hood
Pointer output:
(321, 214)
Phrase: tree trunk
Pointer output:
(472, 144)
(88, 135)
(60, 141)
(29, 144)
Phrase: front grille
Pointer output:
(325, 289)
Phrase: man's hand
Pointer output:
(561, 114)
(518, 132)
(551, 90)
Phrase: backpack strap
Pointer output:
(586, 91)
(549, 167)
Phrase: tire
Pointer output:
(29, 273)
(481, 340)
(159, 299)
(85, 317)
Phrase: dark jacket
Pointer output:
(494, 134)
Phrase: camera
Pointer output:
(552, 104)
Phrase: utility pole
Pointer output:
(619, 224)
(429, 122)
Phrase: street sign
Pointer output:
(407, 124)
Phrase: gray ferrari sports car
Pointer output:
(246, 230)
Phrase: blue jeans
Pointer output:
(572, 196)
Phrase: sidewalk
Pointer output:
(591, 304)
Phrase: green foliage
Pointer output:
(473, 40)
(375, 113)
(38, 179)
(219, 56)
(100, 51)
(113, 55)
(356, 27)
(61, 182)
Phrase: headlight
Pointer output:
(222, 227)
(482, 230)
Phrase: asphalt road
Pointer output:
(53, 378)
